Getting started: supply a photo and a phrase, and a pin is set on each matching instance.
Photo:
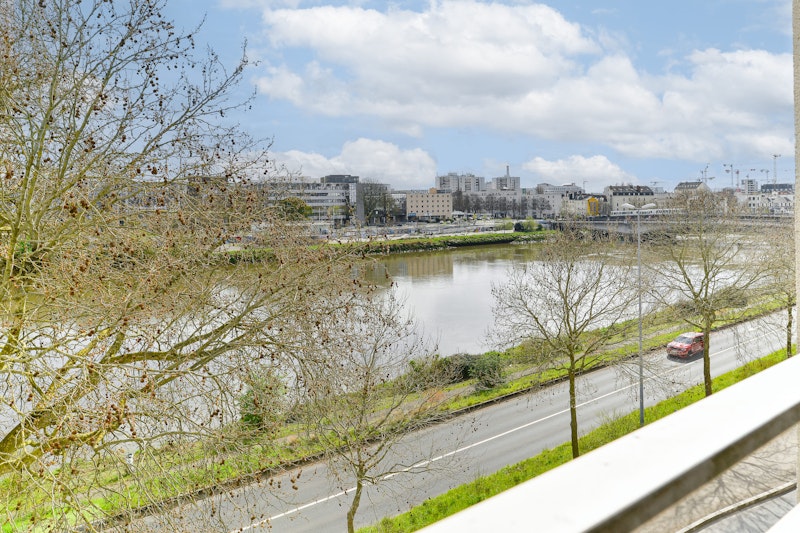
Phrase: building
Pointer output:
(636, 195)
(331, 199)
(778, 188)
(749, 186)
(468, 183)
(767, 204)
(583, 205)
(691, 187)
(433, 205)
(506, 183)
(546, 200)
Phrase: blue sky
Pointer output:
(595, 92)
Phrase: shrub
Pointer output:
(460, 366)
(527, 226)
(433, 371)
(263, 405)
(487, 370)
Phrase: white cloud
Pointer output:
(593, 173)
(379, 160)
(452, 55)
(523, 69)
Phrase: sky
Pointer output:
(591, 92)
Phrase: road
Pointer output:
(449, 454)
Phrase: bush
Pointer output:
(263, 407)
(460, 366)
(527, 226)
(433, 371)
(487, 370)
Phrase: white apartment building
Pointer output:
(506, 183)
(453, 182)
(636, 195)
(552, 197)
(331, 199)
(767, 204)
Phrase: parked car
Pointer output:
(686, 345)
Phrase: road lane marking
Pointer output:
(427, 462)
(422, 463)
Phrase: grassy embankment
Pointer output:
(425, 244)
(420, 243)
(484, 487)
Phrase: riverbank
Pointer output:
(390, 244)
(426, 243)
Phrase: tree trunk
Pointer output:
(707, 359)
(351, 513)
(573, 414)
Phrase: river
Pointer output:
(449, 292)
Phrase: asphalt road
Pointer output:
(462, 449)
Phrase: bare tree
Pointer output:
(490, 204)
(125, 199)
(708, 270)
(539, 206)
(459, 200)
(779, 267)
(362, 396)
(376, 200)
(566, 307)
(478, 203)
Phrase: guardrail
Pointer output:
(625, 483)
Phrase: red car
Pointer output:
(686, 345)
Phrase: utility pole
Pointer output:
(639, 276)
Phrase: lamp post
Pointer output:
(639, 292)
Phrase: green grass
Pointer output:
(421, 243)
(459, 498)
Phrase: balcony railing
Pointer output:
(622, 485)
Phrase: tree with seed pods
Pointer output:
(130, 304)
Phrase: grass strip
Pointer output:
(459, 498)
(382, 245)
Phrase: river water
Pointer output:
(449, 292)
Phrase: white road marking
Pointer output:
(426, 462)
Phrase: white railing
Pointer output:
(625, 483)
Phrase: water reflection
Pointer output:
(449, 292)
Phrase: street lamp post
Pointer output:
(639, 292)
